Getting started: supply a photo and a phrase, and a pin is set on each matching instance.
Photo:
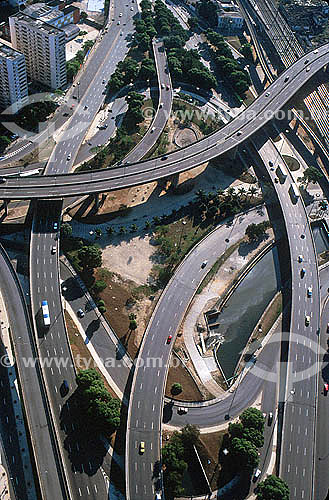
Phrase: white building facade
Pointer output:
(43, 46)
(13, 78)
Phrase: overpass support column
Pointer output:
(96, 201)
(5, 206)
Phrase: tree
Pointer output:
(99, 286)
(208, 10)
(273, 488)
(176, 389)
(252, 418)
(193, 22)
(66, 230)
(246, 51)
(4, 141)
(190, 435)
(235, 429)
(254, 436)
(311, 174)
(244, 453)
(90, 257)
(147, 224)
(147, 70)
(109, 230)
(85, 378)
(257, 231)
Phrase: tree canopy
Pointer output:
(90, 257)
(252, 418)
(311, 174)
(273, 488)
(101, 410)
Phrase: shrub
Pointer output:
(102, 309)
(99, 286)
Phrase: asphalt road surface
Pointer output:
(234, 133)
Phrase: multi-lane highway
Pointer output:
(40, 423)
(144, 418)
(164, 106)
(238, 130)
(297, 451)
(83, 473)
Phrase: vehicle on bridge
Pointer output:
(45, 314)
(294, 192)
(282, 173)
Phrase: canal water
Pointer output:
(245, 308)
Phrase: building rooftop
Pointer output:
(43, 11)
(8, 52)
(39, 24)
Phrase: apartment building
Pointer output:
(54, 14)
(43, 46)
(13, 79)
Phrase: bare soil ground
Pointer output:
(79, 349)
(179, 374)
(120, 299)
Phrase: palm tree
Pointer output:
(201, 196)
(241, 191)
(147, 224)
(109, 230)
(122, 230)
(252, 191)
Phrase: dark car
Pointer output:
(64, 388)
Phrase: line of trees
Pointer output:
(230, 70)
(100, 411)
(73, 66)
(185, 65)
(176, 454)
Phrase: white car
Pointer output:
(204, 263)
(120, 15)
(257, 474)
(69, 156)
(308, 69)
(309, 291)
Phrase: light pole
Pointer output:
(181, 235)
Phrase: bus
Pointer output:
(45, 313)
(294, 192)
(282, 172)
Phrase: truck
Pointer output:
(294, 192)
(282, 173)
(45, 313)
